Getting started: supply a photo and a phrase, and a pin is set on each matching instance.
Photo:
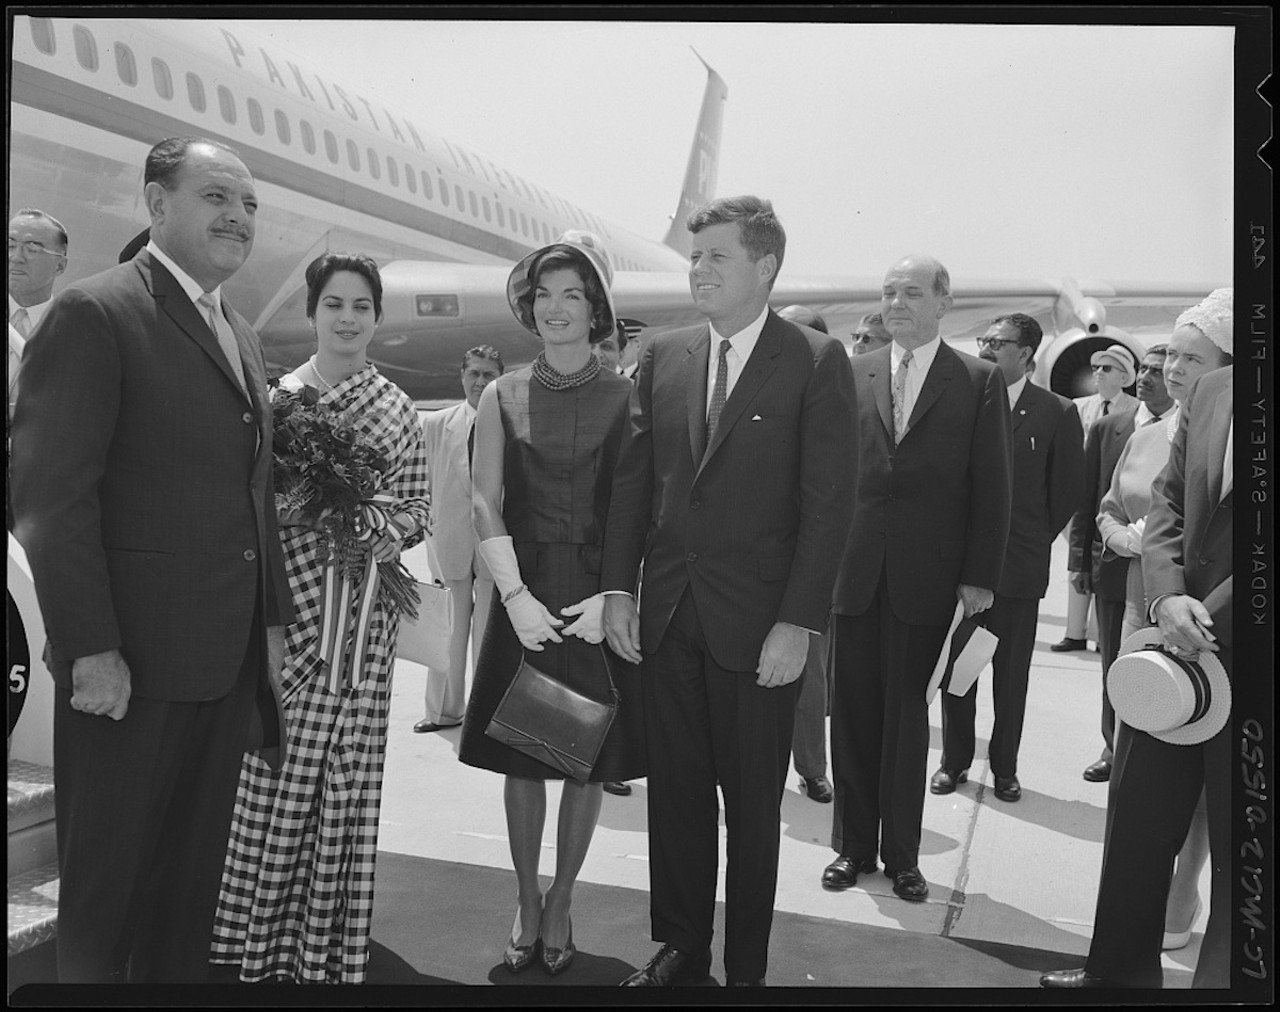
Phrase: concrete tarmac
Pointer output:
(1023, 874)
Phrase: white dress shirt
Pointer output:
(185, 281)
(741, 345)
(1015, 391)
(34, 313)
(917, 370)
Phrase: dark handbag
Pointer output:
(548, 721)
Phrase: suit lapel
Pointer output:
(175, 304)
(881, 377)
(935, 381)
(1024, 407)
(1219, 426)
(759, 367)
(695, 379)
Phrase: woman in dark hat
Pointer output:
(547, 439)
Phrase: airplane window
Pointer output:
(226, 104)
(410, 178)
(42, 35)
(308, 136)
(86, 47)
(444, 192)
(162, 78)
(282, 127)
(331, 146)
(457, 192)
(475, 211)
(256, 121)
(195, 92)
(484, 202)
(393, 172)
(375, 167)
(126, 66)
(426, 185)
(502, 218)
(524, 223)
(353, 155)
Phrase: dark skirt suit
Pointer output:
(561, 446)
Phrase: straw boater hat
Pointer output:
(1119, 356)
(1181, 700)
(582, 242)
(1212, 317)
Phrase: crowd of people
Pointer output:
(222, 647)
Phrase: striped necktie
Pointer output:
(226, 339)
(900, 398)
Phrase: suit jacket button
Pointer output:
(250, 555)
(691, 557)
(696, 504)
(247, 417)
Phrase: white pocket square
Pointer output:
(756, 418)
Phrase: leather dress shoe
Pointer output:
(423, 726)
(1072, 978)
(819, 789)
(671, 967)
(1008, 789)
(619, 787)
(1069, 643)
(909, 884)
(842, 873)
(1099, 772)
(945, 781)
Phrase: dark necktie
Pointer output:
(471, 446)
(1153, 419)
(1106, 406)
(720, 393)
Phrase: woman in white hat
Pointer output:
(547, 438)
(1201, 342)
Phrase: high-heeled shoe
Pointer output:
(521, 957)
(556, 961)
(1180, 939)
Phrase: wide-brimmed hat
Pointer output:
(586, 243)
(1181, 700)
(1119, 356)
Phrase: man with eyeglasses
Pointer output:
(1113, 371)
(870, 334)
(1048, 484)
(37, 255)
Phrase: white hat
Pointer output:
(1175, 699)
(1120, 356)
(1212, 318)
(590, 248)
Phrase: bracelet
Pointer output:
(513, 594)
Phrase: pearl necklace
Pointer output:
(545, 374)
(328, 387)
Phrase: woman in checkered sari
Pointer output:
(297, 888)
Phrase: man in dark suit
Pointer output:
(1090, 573)
(143, 496)
(1187, 565)
(1048, 484)
(929, 527)
(735, 476)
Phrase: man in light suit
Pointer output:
(1187, 566)
(930, 526)
(37, 255)
(735, 476)
(143, 495)
(1090, 572)
(1113, 372)
(451, 542)
(1048, 485)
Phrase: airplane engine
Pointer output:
(1081, 322)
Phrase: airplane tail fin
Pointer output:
(704, 161)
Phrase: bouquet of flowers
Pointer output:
(328, 476)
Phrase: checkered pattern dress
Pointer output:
(297, 889)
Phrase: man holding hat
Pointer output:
(1174, 690)
(1113, 371)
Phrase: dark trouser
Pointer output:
(1152, 808)
(143, 811)
(1110, 622)
(809, 742)
(880, 732)
(706, 725)
(1013, 620)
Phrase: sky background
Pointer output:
(1098, 152)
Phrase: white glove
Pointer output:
(590, 624)
(532, 622)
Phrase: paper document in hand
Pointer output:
(967, 649)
